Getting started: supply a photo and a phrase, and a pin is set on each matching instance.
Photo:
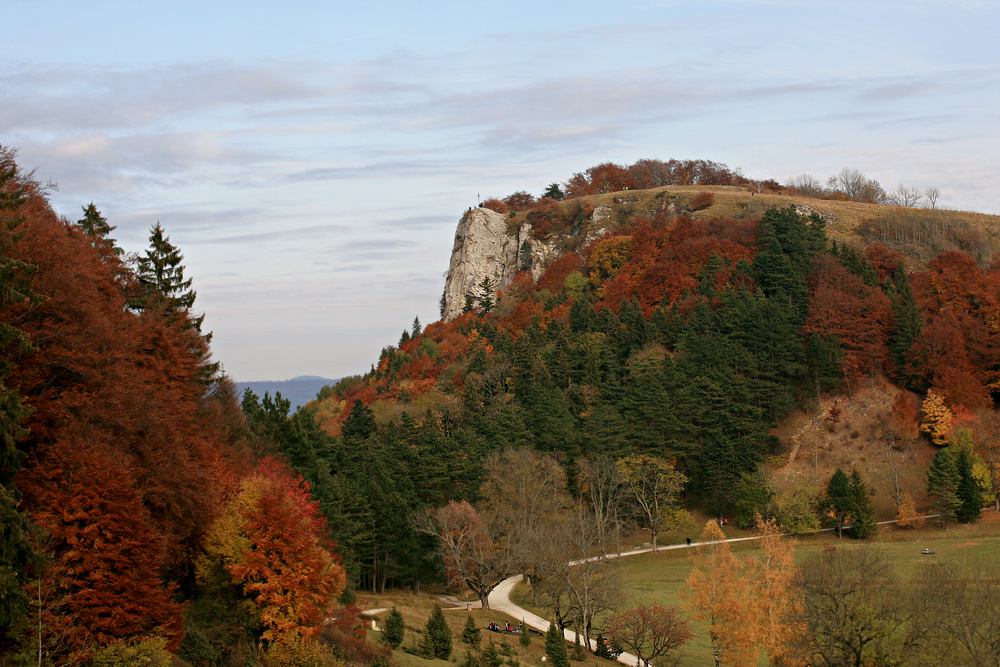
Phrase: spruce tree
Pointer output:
(555, 647)
(943, 483)
(862, 508)
(490, 656)
(437, 635)
(838, 499)
(969, 498)
(470, 634)
(394, 629)
(907, 319)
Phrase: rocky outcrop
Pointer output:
(487, 247)
(484, 248)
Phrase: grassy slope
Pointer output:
(975, 233)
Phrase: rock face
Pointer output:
(483, 249)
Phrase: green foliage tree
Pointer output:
(490, 656)
(487, 298)
(394, 629)
(470, 633)
(862, 509)
(553, 192)
(437, 635)
(525, 638)
(555, 647)
(655, 485)
(970, 496)
(16, 551)
(838, 502)
(943, 481)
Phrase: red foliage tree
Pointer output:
(650, 632)
(105, 553)
(859, 315)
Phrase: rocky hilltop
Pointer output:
(486, 246)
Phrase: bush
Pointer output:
(701, 201)
(300, 653)
(525, 638)
(148, 651)
(497, 205)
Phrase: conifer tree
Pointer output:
(470, 633)
(16, 552)
(969, 497)
(394, 629)
(943, 483)
(863, 526)
(437, 635)
(555, 647)
(907, 319)
(838, 499)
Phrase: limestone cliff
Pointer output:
(486, 247)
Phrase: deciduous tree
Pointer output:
(656, 485)
(651, 633)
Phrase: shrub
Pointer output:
(701, 201)
(497, 205)
(149, 651)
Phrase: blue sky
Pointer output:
(312, 159)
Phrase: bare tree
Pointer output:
(857, 186)
(807, 184)
(524, 495)
(582, 582)
(604, 490)
(932, 195)
(961, 605)
(906, 196)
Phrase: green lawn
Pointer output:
(657, 577)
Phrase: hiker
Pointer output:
(689, 541)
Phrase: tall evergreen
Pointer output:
(16, 552)
(839, 500)
(161, 277)
(470, 633)
(863, 526)
(907, 319)
(969, 498)
(943, 481)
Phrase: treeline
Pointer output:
(139, 516)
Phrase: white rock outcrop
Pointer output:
(483, 249)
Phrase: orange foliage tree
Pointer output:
(272, 539)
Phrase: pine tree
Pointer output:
(470, 634)
(838, 499)
(907, 320)
(161, 277)
(394, 629)
(969, 497)
(862, 508)
(437, 635)
(942, 485)
(555, 647)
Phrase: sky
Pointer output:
(312, 159)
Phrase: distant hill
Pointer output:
(299, 390)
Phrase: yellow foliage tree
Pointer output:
(776, 619)
(938, 417)
(718, 595)
(907, 516)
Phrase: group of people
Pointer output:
(496, 627)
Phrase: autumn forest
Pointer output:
(636, 388)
